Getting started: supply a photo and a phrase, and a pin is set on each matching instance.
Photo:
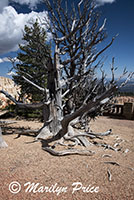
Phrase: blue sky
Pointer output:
(120, 19)
(14, 14)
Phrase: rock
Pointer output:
(9, 86)
(126, 151)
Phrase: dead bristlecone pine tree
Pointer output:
(74, 95)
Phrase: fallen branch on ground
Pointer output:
(112, 163)
(109, 175)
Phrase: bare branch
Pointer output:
(22, 105)
(100, 52)
(35, 85)
(103, 25)
(128, 79)
(89, 106)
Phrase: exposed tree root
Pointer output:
(91, 136)
(71, 139)
(7, 122)
(77, 138)
(61, 142)
(68, 152)
(106, 146)
(28, 133)
(103, 134)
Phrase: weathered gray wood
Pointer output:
(44, 134)
(2, 122)
(103, 134)
(22, 105)
(112, 163)
(109, 175)
(68, 152)
(3, 144)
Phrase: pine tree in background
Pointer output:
(32, 61)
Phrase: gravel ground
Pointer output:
(70, 177)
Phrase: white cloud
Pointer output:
(11, 27)
(105, 1)
(32, 3)
(8, 59)
(12, 23)
(3, 3)
(5, 59)
(11, 73)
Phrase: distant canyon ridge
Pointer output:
(9, 86)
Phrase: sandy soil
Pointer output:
(27, 162)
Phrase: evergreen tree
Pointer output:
(33, 55)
